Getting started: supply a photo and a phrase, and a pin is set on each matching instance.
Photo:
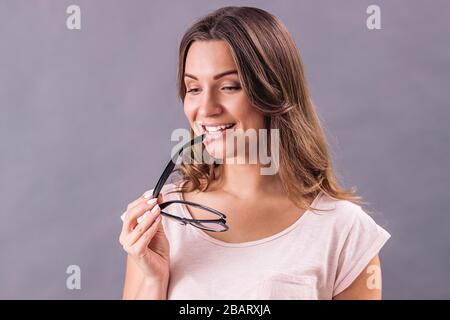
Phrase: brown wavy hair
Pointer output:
(271, 74)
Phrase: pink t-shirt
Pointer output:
(316, 257)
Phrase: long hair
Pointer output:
(271, 74)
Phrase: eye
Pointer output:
(231, 88)
(193, 90)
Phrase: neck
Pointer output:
(246, 180)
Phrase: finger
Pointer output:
(130, 220)
(142, 243)
(132, 205)
(145, 196)
(147, 221)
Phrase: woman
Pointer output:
(295, 234)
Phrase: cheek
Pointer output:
(240, 108)
(249, 115)
(189, 111)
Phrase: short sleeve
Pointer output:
(364, 240)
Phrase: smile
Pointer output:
(216, 129)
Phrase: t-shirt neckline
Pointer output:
(283, 232)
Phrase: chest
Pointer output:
(272, 270)
(248, 220)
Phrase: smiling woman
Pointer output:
(295, 234)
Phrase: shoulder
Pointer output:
(341, 211)
(346, 217)
(171, 191)
(168, 191)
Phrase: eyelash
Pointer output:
(229, 88)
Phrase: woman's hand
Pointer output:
(143, 237)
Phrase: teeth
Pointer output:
(217, 128)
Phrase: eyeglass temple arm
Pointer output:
(185, 221)
(169, 168)
(216, 212)
(179, 219)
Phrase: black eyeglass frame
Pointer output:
(194, 222)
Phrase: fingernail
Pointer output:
(154, 209)
(122, 217)
(152, 201)
(147, 194)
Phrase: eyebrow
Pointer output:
(217, 76)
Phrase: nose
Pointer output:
(209, 106)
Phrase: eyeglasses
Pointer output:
(215, 225)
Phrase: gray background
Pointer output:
(86, 118)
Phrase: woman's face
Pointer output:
(214, 98)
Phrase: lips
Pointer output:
(215, 129)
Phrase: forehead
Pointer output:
(209, 57)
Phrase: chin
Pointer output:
(217, 150)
